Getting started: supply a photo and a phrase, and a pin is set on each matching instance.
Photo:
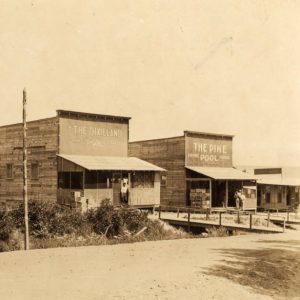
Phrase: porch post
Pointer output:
(210, 191)
(83, 180)
(226, 194)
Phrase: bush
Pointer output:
(53, 225)
(10, 237)
(105, 219)
(47, 219)
(134, 220)
(6, 226)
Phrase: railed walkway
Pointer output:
(221, 219)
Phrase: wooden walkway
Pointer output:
(193, 221)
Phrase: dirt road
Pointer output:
(211, 268)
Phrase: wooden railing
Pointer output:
(219, 211)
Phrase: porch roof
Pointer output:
(111, 163)
(279, 181)
(222, 173)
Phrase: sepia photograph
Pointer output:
(150, 150)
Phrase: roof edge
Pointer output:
(70, 113)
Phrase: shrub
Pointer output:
(6, 226)
(10, 237)
(53, 225)
(134, 220)
(67, 221)
(105, 219)
(49, 219)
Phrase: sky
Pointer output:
(219, 66)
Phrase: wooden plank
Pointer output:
(42, 136)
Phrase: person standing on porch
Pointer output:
(242, 200)
(237, 197)
(124, 193)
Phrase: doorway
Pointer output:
(219, 191)
(116, 186)
(233, 186)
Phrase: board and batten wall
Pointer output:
(169, 154)
(42, 146)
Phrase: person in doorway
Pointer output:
(237, 197)
(124, 193)
(242, 200)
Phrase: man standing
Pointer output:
(237, 197)
(242, 200)
(124, 192)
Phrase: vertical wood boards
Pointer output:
(169, 154)
(42, 145)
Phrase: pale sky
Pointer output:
(220, 66)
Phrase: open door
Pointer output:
(250, 202)
(116, 186)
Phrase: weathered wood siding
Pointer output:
(169, 154)
(273, 203)
(42, 143)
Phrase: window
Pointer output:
(143, 180)
(95, 179)
(64, 180)
(9, 171)
(76, 180)
(70, 180)
(34, 171)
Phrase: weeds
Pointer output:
(52, 225)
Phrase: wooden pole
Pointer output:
(25, 195)
(189, 220)
(250, 221)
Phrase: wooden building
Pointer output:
(75, 157)
(278, 188)
(199, 170)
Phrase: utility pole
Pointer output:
(25, 196)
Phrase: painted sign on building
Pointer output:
(93, 137)
(208, 151)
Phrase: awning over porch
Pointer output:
(111, 163)
(222, 173)
(279, 181)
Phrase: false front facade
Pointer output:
(199, 168)
(75, 158)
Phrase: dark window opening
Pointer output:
(97, 180)
(34, 171)
(70, 180)
(9, 171)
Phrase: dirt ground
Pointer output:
(252, 266)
